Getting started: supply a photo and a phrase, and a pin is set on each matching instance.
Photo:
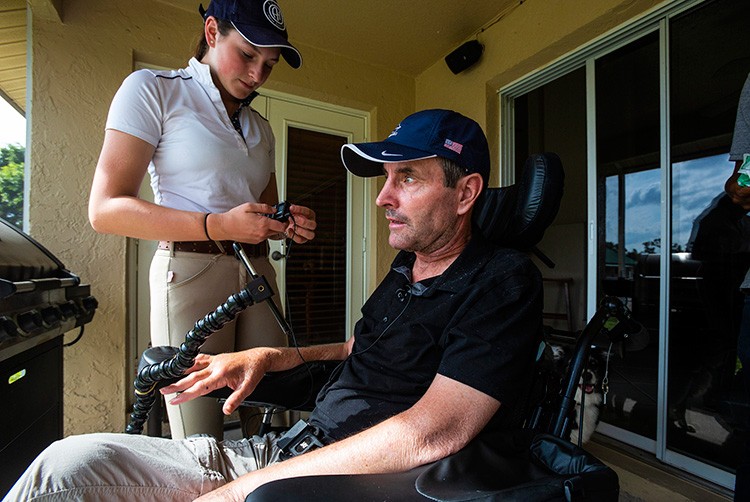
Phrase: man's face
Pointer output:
(420, 209)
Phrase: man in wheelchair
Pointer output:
(442, 354)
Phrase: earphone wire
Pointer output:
(382, 333)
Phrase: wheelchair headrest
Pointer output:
(517, 215)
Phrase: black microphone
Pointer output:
(403, 292)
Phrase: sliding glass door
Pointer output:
(707, 408)
(643, 123)
(628, 178)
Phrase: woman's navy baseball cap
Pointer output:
(423, 135)
(260, 22)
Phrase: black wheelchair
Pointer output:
(536, 462)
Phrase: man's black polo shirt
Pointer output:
(478, 323)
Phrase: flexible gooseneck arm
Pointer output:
(160, 366)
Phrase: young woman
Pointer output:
(210, 158)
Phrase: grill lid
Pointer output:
(26, 265)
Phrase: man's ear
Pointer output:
(469, 187)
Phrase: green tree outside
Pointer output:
(11, 184)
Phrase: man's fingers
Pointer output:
(198, 389)
(179, 385)
(192, 386)
(240, 393)
(201, 362)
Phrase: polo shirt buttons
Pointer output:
(385, 319)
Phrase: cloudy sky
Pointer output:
(695, 184)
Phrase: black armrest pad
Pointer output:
(342, 488)
(294, 389)
(512, 465)
(518, 465)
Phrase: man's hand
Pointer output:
(738, 194)
(240, 371)
(230, 492)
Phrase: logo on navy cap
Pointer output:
(273, 13)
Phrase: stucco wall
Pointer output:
(77, 65)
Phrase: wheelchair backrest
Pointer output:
(517, 215)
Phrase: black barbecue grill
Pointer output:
(40, 300)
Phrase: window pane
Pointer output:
(316, 271)
(552, 118)
(629, 194)
(707, 407)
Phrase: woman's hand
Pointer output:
(301, 226)
(240, 371)
(245, 223)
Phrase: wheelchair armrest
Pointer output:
(342, 488)
(293, 389)
(506, 465)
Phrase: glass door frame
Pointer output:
(652, 21)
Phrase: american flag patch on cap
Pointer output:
(452, 145)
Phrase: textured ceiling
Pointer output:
(13, 52)
(407, 36)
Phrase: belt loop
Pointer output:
(166, 246)
(220, 246)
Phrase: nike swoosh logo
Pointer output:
(386, 154)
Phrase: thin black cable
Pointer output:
(382, 333)
(307, 364)
(408, 301)
(499, 17)
(295, 343)
(582, 406)
(80, 334)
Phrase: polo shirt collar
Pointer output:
(201, 72)
(471, 259)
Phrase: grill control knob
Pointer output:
(51, 315)
(29, 321)
(8, 328)
(68, 309)
(89, 303)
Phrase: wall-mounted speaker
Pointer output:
(465, 56)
